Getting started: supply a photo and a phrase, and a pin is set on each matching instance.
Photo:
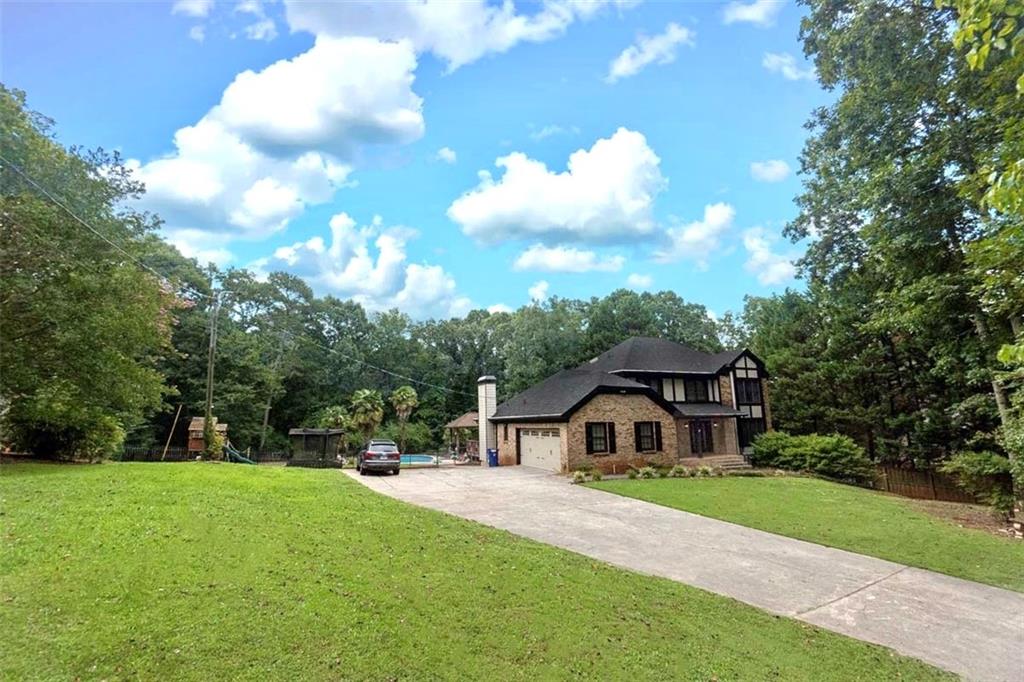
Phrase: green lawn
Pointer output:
(841, 516)
(207, 571)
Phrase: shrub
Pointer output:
(596, 475)
(579, 477)
(832, 456)
(679, 471)
(985, 475)
(631, 473)
(647, 472)
(704, 470)
(662, 473)
(769, 448)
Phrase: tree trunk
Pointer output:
(1002, 401)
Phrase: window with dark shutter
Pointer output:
(600, 439)
(645, 436)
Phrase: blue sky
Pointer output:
(419, 156)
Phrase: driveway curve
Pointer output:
(971, 629)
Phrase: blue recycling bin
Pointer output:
(492, 457)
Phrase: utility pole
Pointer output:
(209, 432)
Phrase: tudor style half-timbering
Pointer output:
(647, 400)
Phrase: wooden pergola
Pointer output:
(460, 433)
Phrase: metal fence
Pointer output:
(147, 453)
(920, 484)
(150, 453)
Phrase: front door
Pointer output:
(701, 440)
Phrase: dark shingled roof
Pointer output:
(647, 354)
(555, 397)
(470, 420)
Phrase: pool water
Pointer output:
(417, 459)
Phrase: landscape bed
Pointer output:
(205, 571)
(843, 516)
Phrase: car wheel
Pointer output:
(361, 470)
(397, 471)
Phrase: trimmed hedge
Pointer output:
(832, 456)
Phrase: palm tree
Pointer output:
(405, 400)
(367, 412)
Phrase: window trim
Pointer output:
(655, 436)
(609, 438)
(742, 399)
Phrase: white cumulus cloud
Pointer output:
(785, 64)
(658, 49)
(457, 32)
(446, 154)
(759, 12)
(338, 94)
(605, 194)
(263, 27)
(192, 8)
(369, 264)
(638, 281)
(698, 240)
(539, 291)
(566, 259)
(499, 308)
(769, 267)
(280, 139)
(772, 170)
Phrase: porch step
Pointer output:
(726, 462)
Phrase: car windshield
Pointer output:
(382, 447)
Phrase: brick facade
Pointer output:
(767, 404)
(725, 389)
(623, 410)
(724, 437)
(508, 443)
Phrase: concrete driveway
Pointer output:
(968, 628)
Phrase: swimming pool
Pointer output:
(418, 459)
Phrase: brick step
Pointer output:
(726, 462)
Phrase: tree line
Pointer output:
(906, 337)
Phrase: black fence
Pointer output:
(176, 453)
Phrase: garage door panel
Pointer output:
(541, 448)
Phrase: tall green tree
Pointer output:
(404, 399)
(889, 207)
(84, 325)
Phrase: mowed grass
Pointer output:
(855, 519)
(217, 571)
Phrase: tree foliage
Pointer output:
(84, 327)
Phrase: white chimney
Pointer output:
(487, 404)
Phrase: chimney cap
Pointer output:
(488, 379)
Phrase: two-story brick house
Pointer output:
(645, 401)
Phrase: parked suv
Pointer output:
(379, 455)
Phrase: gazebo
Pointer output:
(460, 434)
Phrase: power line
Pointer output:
(217, 304)
(89, 227)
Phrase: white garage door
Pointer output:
(541, 448)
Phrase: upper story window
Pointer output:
(689, 390)
(696, 390)
(748, 392)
